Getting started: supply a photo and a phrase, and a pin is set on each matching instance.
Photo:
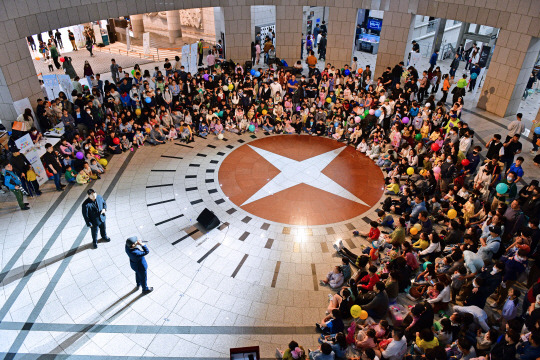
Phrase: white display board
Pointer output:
(146, 43)
(32, 153)
(193, 59)
(184, 59)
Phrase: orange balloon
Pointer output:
(413, 231)
(360, 70)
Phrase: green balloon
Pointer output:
(220, 114)
(418, 137)
(366, 112)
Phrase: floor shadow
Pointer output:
(26, 270)
(64, 345)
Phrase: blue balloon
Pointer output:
(251, 128)
(378, 113)
(501, 188)
(257, 74)
(537, 130)
(474, 76)
(253, 72)
(148, 100)
(347, 72)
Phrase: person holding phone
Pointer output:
(137, 262)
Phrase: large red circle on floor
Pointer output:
(273, 178)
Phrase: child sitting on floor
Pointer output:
(70, 175)
(96, 167)
(138, 139)
(82, 178)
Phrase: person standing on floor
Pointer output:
(137, 262)
(322, 48)
(93, 210)
(52, 163)
(516, 127)
(13, 183)
(71, 37)
(54, 54)
(454, 66)
(58, 38)
(89, 45)
(115, 73)
(200, 51)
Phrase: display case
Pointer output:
(368, 43)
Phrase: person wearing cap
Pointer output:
(137, 262)
(93, 210)
(491, 244)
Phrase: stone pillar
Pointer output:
(289, 32)
(396, 37)
(439, 33)
(509, 70)
(137, 25)
(18, 79)
(340, 38)
(238, 32)
(463, 28)
(173, 25)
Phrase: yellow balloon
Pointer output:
(363, 315)
(328, 100)
(413, 231)
(355, 311)
(452, 214)
(137, 112)
(103, 162)
(417, 227)
(264, 112)
(410, 171)
(231, 86)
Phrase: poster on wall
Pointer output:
(66, 85)
(184, 59)
(193, 58)
(128, 39)
(146, 43)
(97, 34)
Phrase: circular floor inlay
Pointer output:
(301, 180)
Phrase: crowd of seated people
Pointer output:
(456, 233)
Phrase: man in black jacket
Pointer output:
(52, 163)
(397, 71)
(20, 165)
(93, 210)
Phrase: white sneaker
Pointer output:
(278, 354)
(336, 246)
(341, 246)
(330, 297)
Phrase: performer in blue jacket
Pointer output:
(138, 262)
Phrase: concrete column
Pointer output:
(395, 42)
(137, 25)
(173, 25)
(463, 28)
(509, 70)
(289, 32)
(439, 33)
(340, 38)
(18, 79)
(238, 32)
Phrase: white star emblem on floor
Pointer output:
(307, 172)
